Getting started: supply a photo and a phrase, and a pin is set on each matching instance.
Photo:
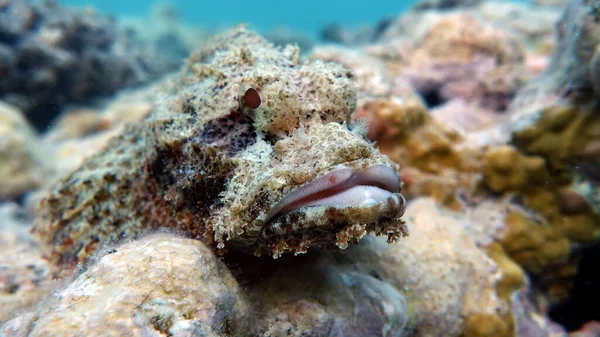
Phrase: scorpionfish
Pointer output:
(251, 150)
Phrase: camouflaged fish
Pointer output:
(253, 151)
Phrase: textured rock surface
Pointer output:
(159, 285)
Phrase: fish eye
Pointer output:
(250, 98)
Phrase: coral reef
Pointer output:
(51, 56)
(533, 24)
(427, 149)
(456, 62)
(255, 150)
(397, 277)
(143, 287)
(370, 74)
(555, 125)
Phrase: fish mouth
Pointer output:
(367, 194)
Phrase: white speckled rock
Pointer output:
(159, 285)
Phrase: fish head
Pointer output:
(285, 167)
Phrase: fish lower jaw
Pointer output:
(329, 226)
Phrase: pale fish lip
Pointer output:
(343, 187)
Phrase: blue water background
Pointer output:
(307, 16)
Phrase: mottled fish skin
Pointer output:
(206, 164)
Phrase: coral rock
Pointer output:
(370, 73)
(531, 22)
(161, 284)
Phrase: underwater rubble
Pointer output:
(493, 120)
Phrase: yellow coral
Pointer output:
(505, 169)
(485, 325)
(561, 134)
